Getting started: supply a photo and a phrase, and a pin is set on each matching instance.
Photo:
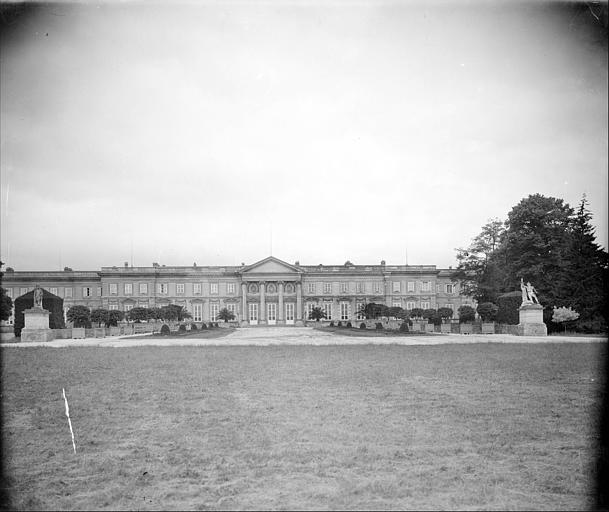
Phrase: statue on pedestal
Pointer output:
(38, 297)
(529, 294)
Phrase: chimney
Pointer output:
(126, 264)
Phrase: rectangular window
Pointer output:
(377, 287)
(396, 287)
(450, 288)
(397, 304)
(113, 289)
(425, 305)
(143, 288)
(327, 308)
(426, 286)
(359, 287)
(310, 306)
(197, 312)
(163, 288)
(128, 289)
(359, 306)
(344, 310)
(196, 288)
(230, 288)
(87, 291)
(344, 287)
(289, 311)
(450, 306)
(213, 288)
(128, 307)
(411, 286)
(113, 307)
(23, 291)
(327, 287)
(311, 287)
(68, 293)
(214, 310)
(143, 304)
(99, 291)
(52, 290)
(253, 311)
(232, 308)
(180, 288)
(410, 305)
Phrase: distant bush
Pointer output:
(362, 325)
(332, 323)
(182, 328)
(193, 327)
(165, 330)
(349, 324)
(487, 311)
(404, 327)
(508, 305)
(379, 326)
(203, 325)
(339, 324)
(466, 314)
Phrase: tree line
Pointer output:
(548, 243)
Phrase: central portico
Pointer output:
(271, 293)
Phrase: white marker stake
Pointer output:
(68, 415)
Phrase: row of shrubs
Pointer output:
(165, 331)
(379, 325)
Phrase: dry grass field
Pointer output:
(481, 426)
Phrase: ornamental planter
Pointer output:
(445, 328)
(78, 333)
(466, 328)
(99, 332)
(488, 328)
(429, 328)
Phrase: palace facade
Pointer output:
(268, 292)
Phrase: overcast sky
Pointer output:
(181, 133)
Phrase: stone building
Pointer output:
(268, 292)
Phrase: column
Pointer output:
(281, 317)
(299, 304)
(262, 314)
(244, 312)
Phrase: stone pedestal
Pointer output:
(36, 325)
(531, 321)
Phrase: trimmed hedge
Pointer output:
(165, 330)
(349, 324)
(182, 328)
(508, 304)
(50, 302)
(404, 327)
(379, 326)
(362, 325)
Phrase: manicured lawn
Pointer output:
(354, 331)
(483, 426)
(199, 333)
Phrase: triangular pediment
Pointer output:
(271, 265)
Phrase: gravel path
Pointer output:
(264, 336)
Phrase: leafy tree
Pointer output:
(466, 314)
(445, 313)
(114, 317)
(155, 314)
(138, 315)
(99, 316)
(373, 310)
(80, 316)
(226, 315)
(487, 311)
(564, 315)
(397, 312)
(6, 303)
(429, 314)
(479, 273)
(317, 314)
(416, 313)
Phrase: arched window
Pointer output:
(272, 288)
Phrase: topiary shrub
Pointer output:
(379, 326)
(339, 324)
(203, 325)
(165, 330)
(182, 328)
(349, 325)
(404, 327)
(332, 323)
(362, 325)
(508, 305)
(466, 314)
(193, 327)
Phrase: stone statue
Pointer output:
(529, 294)
(38, 297)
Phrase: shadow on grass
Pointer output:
(218, 332)
(372, 333)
